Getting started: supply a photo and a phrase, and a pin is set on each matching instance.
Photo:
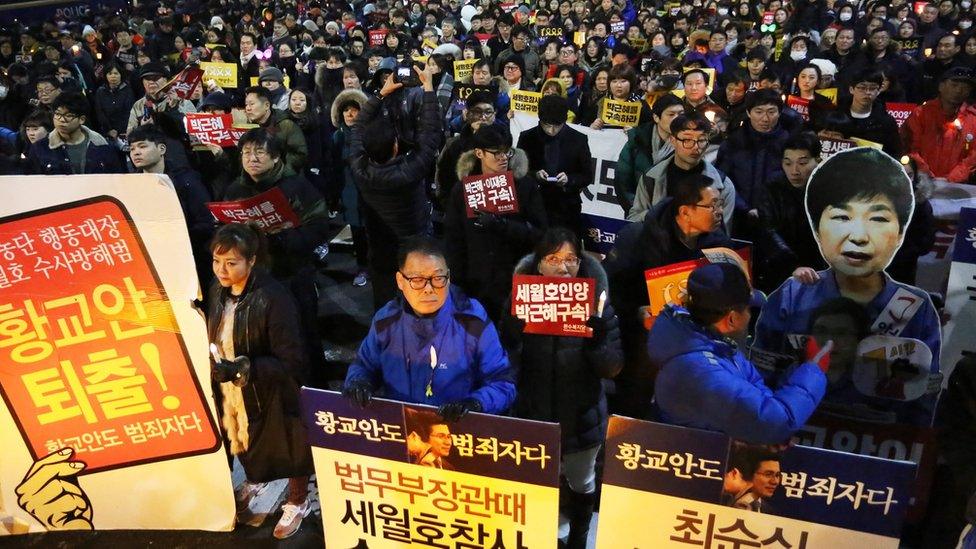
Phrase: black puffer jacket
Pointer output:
(112, 108)
(786, 240)
(395, 189)
(558, 378)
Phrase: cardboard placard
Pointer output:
(184, 82)
(667, 285)
(830, 147)
(270, 210)
(900, 111)
(493, 193)
(224, 74)
(551, 32)
(217, 129)
(463, 68)
(462, 91)
(526, 101)
(552, 305)
(377, 36)
(620, 113)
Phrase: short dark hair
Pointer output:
(804, 141)
(690, 120)
(73, 102)
(687, 191)
(49, 79)
(879, 175)
(664, 102)
(246, 238)
(423, 245)
(770, 75)
(38, 117)
(251, 35)
(261, 137)
(747, 458)
(737, 76)
(259, 91)
(871, 75)
(762, 97)
(147, 132)
(684, 77)
(378, 140)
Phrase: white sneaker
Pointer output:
(291, 519)
(247, 492)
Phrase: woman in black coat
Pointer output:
(303, 109)
(259, 365)
(113, 101)
(559, 377)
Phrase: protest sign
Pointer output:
(463, 68)
(830, 146)
(551, 32)
(224, 74)
(102, 358)
(693, 480)
(639, 44)
(184, 82)
(393, 474)
(483, 37)
(579, 38)
(961, 294)
(553, 305)
(270, 210)
(526, 102)
(462, 91)
(900, 111)
(602, 215)
(909, 46)
(829, 93)
(620, 113)
(493, 193)
(947, 201)
(618, 27)
(667, 285)
(217, 129)
(799, 105)
(376, 37)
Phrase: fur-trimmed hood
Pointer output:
(54, 140)
(345, 95)
(468, 163)
(589, 268)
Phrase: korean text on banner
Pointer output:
(526, 102)
(799, 105)
(270, 210)
(185, 82)
(554, 305)
(493, 193)
(395, 474)
(831, 146)
(102, 357)
(376, 37)
(224, 74)
(216, 129)
(961, 294)
(900, 111)
(799, 497)
(620, 113)
(463, 68)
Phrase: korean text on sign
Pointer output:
(620, 113)
(216, 129)
(270, 210)
(490, 193)
(553, 305)
(91, 352)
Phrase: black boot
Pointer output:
(580, 513)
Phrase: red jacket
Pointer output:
(942, 146)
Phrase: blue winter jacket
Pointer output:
(470, 359)
(707, 383)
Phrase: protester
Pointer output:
(72, 148)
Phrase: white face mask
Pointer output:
(798, 55)
(845, 16)
(723, 11)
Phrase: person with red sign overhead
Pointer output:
(156, 101)
(940, 133)
(482, 250)
(558, 378)
(258, 367)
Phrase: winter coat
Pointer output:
(266, 330)
(531, 58)
(395, 190)
(291, 137)
(942, 148)
(643, 149)
(139, 111)
(559, 377)
(471, 362)
(340, 176)
(705, 382)
(482, 258)
(785, 239)
(49, 156)
(879, 127)
(751, 159)
(290, 249)
(563, 203)
(653, 186)
(315, 131)
(112, 107)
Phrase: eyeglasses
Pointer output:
(691, 143)
(66, 116)
(420, 282)
(260, 154)
(713, 206)
(867, 89)
(570, 262)
(512, 68)
(769, 475)
(507, 153)
(482, 113)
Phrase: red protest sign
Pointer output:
(93, 358)
(553, 305)
(490, 193)
(799, 105)
(217, 129)
(900, 111)
(376, 37)
(483, 37)
(185, 81)
(270, 210)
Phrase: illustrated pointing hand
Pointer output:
(51, 494)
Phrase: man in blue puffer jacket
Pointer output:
(433, 345)
(707, 383)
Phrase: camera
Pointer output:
(406, 75)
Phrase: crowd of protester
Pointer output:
(351, 111)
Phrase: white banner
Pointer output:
(961, 295)
(947, 200)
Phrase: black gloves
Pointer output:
(236, 371)
(359, 391)
(600, 325)
(453, 411)
(489, 221)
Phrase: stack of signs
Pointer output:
(223, 74)
(666, 285)
(552, 305)
(462, 91)
(617, 113)
(395, 474)
(526, 102)
(695, 481)
(900, 111)
(270, 210)
(491, 193)
(212, 129)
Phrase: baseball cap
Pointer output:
(959, 73)
(722, 286)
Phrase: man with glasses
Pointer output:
(521, 38)
(865, 119)
(513, 71)
(432, 344)
(939, 133)
(503, 40)
(157, 102)
(482, 250)
(72, 148)
(479, 110)
(48, 88)
(757, 473)
(689, 137)
(259, 110)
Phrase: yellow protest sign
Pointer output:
(620, 113)
(428, 46)
(865, 143)
(829, 93)
(224, 74)
(526, 101)
(254, 81)
(463, 68)
(579, 38)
